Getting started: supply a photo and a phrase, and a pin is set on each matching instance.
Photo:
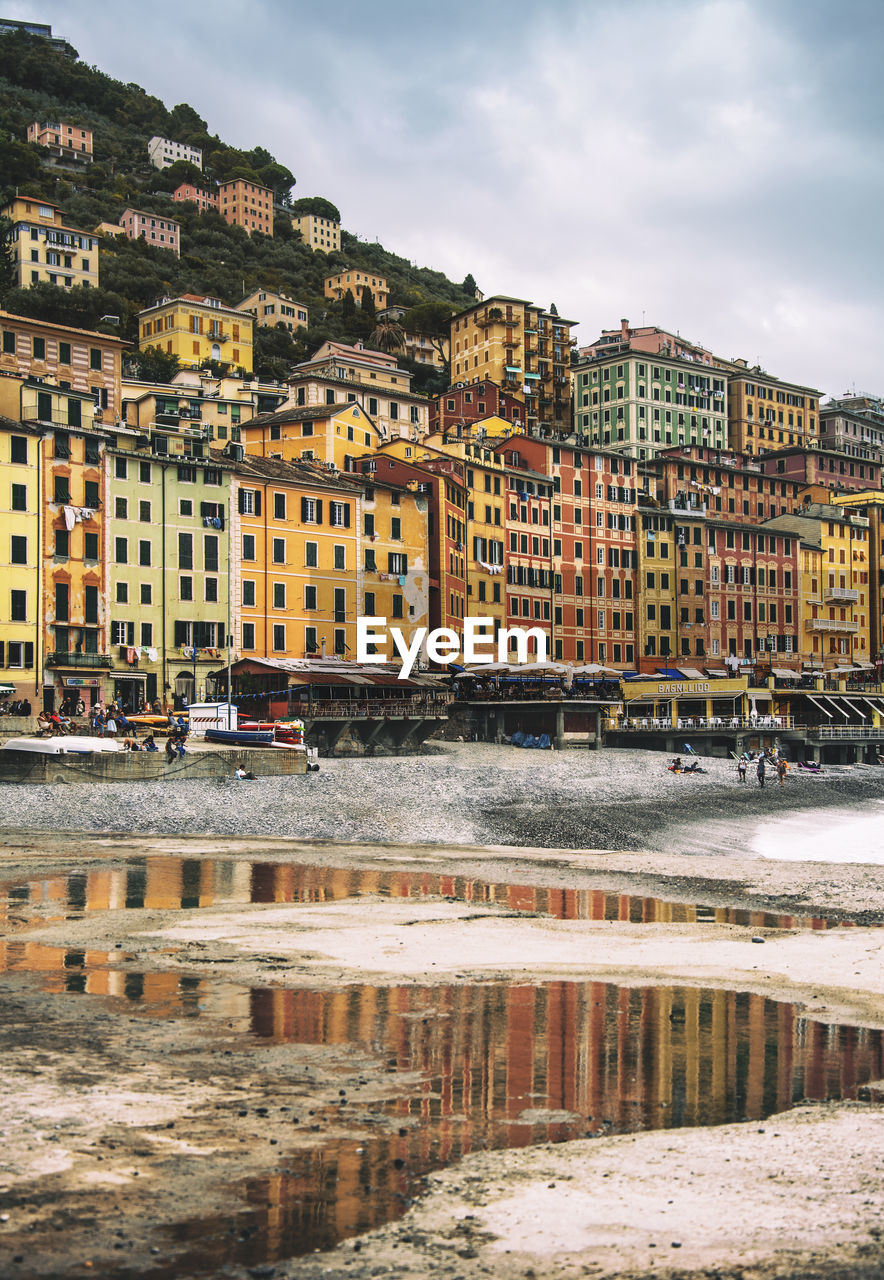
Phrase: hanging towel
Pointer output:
(70, 518)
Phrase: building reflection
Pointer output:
(172, 883)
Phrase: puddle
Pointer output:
(498, 1065)
(171, 883)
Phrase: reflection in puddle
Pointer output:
(172, 883)
(497, 1065)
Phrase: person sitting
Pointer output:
(239, 773)
(171, 753)
(130, 744)
(44, 724)
(149, 744)
(676, 766)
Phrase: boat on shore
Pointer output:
(241, 737)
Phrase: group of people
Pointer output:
(17, 707)
(767, 760)
(678, 767)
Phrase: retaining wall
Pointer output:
(147, 766)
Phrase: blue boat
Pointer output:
(241, 737)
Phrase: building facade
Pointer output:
(66, 142)
(45, 250)
(202, 197)
(160, 233)
(318, 233)
(198, 330)
(357, 282)
(765, 413)
(165, 151)
(274, 309)
(247, 205)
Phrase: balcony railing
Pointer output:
(641, 724)
(840, 595)
(830, 624)
(79, 660)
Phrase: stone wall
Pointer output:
(147, 766)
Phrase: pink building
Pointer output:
(65, 141)
(646, 338)
(200, 196)
(162, 233)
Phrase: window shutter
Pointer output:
(220, 644)
(204, 509)
(346, 515)
(130, 633)
(3, 655)
(180, 632)
(303, 510)
(242, 502)
(319, 511)
(29, 653)
(257, 502)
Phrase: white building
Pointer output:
(164, 151)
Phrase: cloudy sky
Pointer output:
(710, 166)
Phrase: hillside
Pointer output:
(36, 82)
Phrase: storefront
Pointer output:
(69, 692)
(665, 702)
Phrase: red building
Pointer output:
(752, 594)
(470, 402)
(824, 467)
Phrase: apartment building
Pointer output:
(197, 330)
(333, 435)
(854, 425)
(247, 205)
(825, 468)
(341, 373)
(766, 413)
(203, 197)
(161, 233)
(319, 233)
(273, 309)
(165, 151)
(80, 359)
(522, 348)
(66, 142)
(356, 282)
(470, 402)
(21, 561)
(47, 251)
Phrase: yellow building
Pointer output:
(45, 250)
(334, 435)
(273, 309)
(523, 348)
(356, 282)
(197, 330)
(294, 559)
(870, 503)
(20, 560)
(57, 355)
(340, 373)
(765, 413)
(394, 578)
(837, 625)
(318, 233)
(486, 521)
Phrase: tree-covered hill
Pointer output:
(37, 82)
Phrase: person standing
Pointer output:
(760, 771)
(781, 770)
(741, 769)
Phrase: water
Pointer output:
(844, 836)
(471, 1067)
(175, 883)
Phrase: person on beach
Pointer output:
(675, 767)
(759, 771)
(782, 766)
(149, 744)
(741, 768)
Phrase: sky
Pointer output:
(713, 167)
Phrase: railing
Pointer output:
(836, 732)
(830, 624)
(685, 724)
(343, 709)
(832, 595)
(79, 660)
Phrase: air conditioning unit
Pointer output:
(160, 444)
(235, 451)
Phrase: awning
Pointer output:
(668, 673)
(820, 707)
(875, 706)
(717, 675)
(838, 708)
(853, 703)
(692, 673)
(784, 673)
(6, 688)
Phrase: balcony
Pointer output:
(840, 595)
(830, 624)
(79, 660)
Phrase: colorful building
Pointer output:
(247, 205)
(649, 339)
(165, 151)
(333, 436)
(160, 233)
(470, 402)
(21, 647)
(640, 404)
(525, 350)
(339, 373)
(318, 233)
(203, 197)
(273, 309)
(766, 413)
(45, 250)
(198, 330)
(67, 142)
(357, 282)
(854, 425)
(84, 361)
(824, 469)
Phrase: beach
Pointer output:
(136, 1092)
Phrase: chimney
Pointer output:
(624, 330)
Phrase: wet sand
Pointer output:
(125, 1122)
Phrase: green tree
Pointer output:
(387, 335)
(433, 321)
(369, 309)
(348, 307)
(469, 285)
(274, 352)
(152, 364)
(318, 206)
(553, 309)
(8, 274)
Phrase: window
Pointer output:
(339, 515)
(146, 634)
(122, 595)
(185, 588)
(248, 546)
(397, 563)
(340, 554)
(121, 550)
(121, 468)
(18, 606)
(19, 497)
(340, 604)
(311, 511)
(90, 546)
(309, 596)
(248, 635)
(279, 506)
(311, 554)
(145, 593)
(185, 550)
(279, 549)
(121, 508)
(18, 449)
(279, 595)
(248, 593)
(279, 637)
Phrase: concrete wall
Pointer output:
(147, 766)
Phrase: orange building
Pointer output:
(246, 204)
(64, 141)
